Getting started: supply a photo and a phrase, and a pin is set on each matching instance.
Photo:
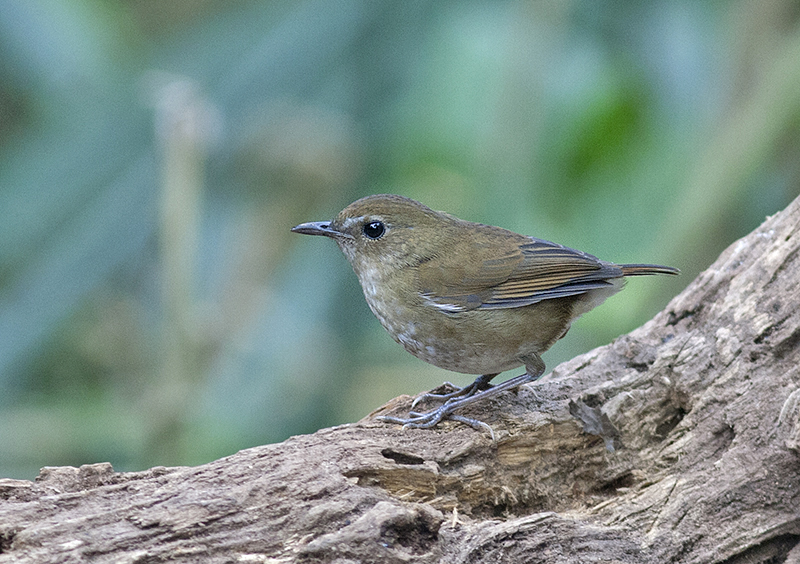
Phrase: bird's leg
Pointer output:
(480, 383)
(534, 368)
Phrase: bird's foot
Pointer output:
(481, 383)
(417, 420)
(481, 390)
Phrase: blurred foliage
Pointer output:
(155, 309)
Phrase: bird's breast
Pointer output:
(462, 342)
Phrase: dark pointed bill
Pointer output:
(317, 228)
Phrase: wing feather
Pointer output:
(526, 272)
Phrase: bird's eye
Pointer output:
(374, 229)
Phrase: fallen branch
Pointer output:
(702, 403)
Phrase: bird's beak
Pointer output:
(318, 228)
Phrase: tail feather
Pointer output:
(645, 269)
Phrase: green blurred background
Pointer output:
(155, 309)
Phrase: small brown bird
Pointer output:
(465, 296)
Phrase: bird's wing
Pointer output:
(521, 274)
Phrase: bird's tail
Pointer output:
(645, 269)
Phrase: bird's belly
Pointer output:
(461, 357)
(471, 342)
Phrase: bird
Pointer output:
(467, 297)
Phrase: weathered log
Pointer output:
(702, 404)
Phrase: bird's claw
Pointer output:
(479, 390)
(417, 420)
(457, 393)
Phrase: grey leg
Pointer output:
(534, 368)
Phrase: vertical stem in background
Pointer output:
(182, 120)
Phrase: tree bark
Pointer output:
(678, 442)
